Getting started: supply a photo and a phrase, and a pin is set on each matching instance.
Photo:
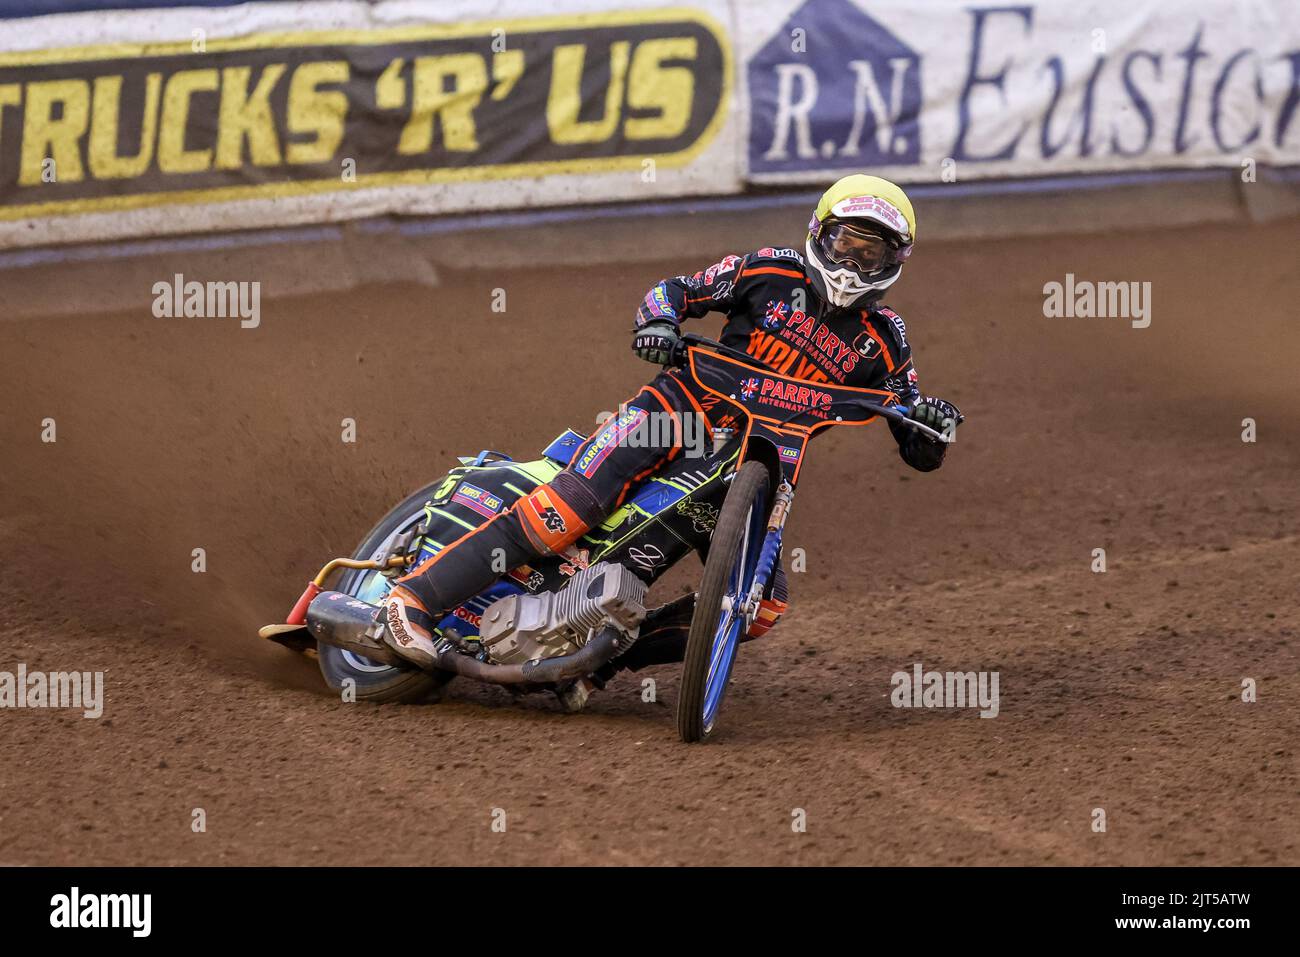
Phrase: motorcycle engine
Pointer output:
(521, 628)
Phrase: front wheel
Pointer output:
(719, 614)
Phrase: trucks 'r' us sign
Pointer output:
(269, 115)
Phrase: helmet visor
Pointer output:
(858, 247)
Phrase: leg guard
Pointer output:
(468, 565)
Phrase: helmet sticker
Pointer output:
(875, 208)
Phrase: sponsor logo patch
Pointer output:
(464, 614)
(775, 316)
(397, 624)
(787, 336)
(657, 302)
(547, 513)
(648, 557)
(726, 265)
(480, 500)
(578, 559)
(875, 208)
(703, 516)
(614, 432)
(795, 397)
(784, 253)
(897, 320)
(528, 576)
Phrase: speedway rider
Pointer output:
(815, 317)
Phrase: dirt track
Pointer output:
(1118, 690)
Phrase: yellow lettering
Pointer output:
(455, 107)
(105, 163)
(312, 110)
(565, 98)
(653, 86)
(59, 139)
(247, 116)
(173, 157)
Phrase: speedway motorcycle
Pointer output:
(555, 624)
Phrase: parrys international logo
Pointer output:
(833, 89)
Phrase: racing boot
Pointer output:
(408, 628)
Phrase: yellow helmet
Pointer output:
(860, 234)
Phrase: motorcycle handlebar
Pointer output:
(713, 345)
(893, 414)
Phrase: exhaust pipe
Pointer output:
(345, 622)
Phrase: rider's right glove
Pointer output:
(654, 342)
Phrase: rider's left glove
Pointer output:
(938, 414)
(654, 342)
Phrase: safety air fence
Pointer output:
(122, 119)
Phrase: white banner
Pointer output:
(938, 91)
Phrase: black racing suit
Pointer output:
(773, 314)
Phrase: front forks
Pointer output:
(770, 554)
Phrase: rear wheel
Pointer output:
(719, 617)
(373, 681)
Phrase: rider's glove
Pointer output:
(938, 414)
(654, 342)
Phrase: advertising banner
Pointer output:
(192, 119)
(141, 122)
(936, 91)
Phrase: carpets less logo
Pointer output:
(478, 499)
(850, 100)
(615, 432)
(274, 115)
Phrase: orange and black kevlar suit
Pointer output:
(774, 315)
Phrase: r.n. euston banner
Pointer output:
(934, 90)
